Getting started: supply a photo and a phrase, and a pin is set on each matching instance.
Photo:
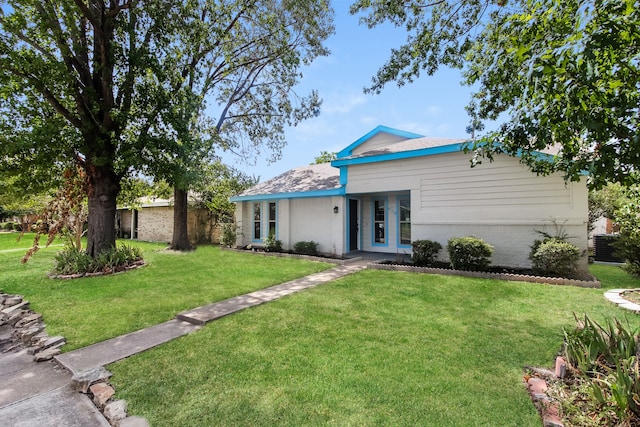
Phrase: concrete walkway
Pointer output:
(37, 395)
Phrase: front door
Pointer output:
(353, 225)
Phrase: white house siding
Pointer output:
(301, 219)
(379, 141)
(501, 202)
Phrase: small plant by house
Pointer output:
(425, 252)
(469, 253)
(306, 248)
(553, 254)
(229, 235)
(554, 257)
(271, 244)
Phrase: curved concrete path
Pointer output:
(36, 395)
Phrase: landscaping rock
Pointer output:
(116, 410)
(102, 392)
(24, 322)
(24, 305)
(561, 367)
(83, 380)
(11, 300)
(57, 341)
(46, 355)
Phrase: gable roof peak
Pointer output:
(378, 130)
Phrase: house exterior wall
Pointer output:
(155, 224)
(302, 219)
(501, 202)
(380, 141)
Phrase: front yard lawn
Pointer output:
(89, 310)
(374, 348)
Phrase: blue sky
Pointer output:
(431, 106)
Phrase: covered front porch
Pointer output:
(379, 223)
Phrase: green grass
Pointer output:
(89, 310)
(374, 348)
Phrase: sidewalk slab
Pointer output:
(23, 378)
(208, 313)
(109, 351)
(59, 407)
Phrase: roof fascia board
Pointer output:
(306, 194)
(443, 149)
(379, 129)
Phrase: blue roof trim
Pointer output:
(379, 129)
(320, 193)
(343, 176)
(443, 149)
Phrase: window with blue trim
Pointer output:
(379, 222)
(272, 219)
(256, 221)
(404, 220)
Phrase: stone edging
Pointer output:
(536, 381)
(615, 296)
(28, 330)
(486, 275)
(132, 266)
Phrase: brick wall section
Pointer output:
(155, 224)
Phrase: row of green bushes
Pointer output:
(271, 244)
(552, 255)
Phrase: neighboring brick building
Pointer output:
(152, 221)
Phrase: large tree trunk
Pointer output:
(104, 186)
(180, 241)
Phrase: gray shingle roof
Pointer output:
(299, 180)
(411, 145)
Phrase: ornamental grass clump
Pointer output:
(469, 253)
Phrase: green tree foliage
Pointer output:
(605, 202)
(564, 73)
(325, 157)
(231, 86)
(71, 89)
(217, 184)
(628, 218)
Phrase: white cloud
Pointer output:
(433, 110)
(340, 103)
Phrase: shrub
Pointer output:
(306, 248)
(554, 256)
(229, 235)
(73, 261)
(628, 245)
(271, 244)
(469, 253)
(425, 252)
